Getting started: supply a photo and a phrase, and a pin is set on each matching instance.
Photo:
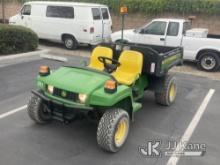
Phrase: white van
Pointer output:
(72, 23)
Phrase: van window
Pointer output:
(173, 29)
(26, 10)
(155, 28)
(96, 13)
(60, 12)
(105, 14)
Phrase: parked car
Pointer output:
(67, 22)
(199, 46)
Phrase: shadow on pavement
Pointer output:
(61, 46)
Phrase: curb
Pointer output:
(22, 55)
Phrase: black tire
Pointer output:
(167, 95)
(38, 111)
(108, 129)
(70, 42)
(209, 61)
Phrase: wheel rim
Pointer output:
(172, 92)
(121, 132)
(208, 62)
(69, 43)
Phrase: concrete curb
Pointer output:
(22, 55)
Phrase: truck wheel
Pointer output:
(38, 111)
(209, 61)
(167, 95)
(113, 130)
(70, 42)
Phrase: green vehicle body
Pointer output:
(90, 82)
(75, 92)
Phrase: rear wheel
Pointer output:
(113, 129)
(38, 111)
(167, 95)
(209, 61)
(70, 42)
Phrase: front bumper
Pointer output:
(64, 103)
(62, 111)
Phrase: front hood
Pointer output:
(127, 34)
(13, 19)
(75, 80)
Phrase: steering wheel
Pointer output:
(109, 67)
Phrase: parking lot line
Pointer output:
(12, 112)
(192, 126)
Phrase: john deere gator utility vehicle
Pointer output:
(107, 90)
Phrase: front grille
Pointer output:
(65, 94)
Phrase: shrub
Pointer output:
(17, 39)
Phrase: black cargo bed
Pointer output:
(157, 59)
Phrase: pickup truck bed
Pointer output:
(157, 59)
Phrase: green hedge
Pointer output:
(17, 39)
(161, 6)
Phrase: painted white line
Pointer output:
(52, 57)
(192, 126)
(12, 112)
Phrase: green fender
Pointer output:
(103, 99)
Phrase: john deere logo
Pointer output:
(63, 94)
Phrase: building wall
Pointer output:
(10, 9)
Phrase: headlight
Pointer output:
(50, 89)
(82, 98)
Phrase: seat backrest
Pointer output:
(131, 62)
(97, 52)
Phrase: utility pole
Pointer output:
(3, 10)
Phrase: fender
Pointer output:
(205, 49)
(101, 98)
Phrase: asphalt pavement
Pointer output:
(24, 143)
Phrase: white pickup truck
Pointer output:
(199, 46)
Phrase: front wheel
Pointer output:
(167, 95)
(70, 42)
(38, 111)
(209, 61)
(113, 130)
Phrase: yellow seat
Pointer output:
(130, 69)
(97, 52)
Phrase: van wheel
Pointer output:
(113, 129)
(70, 42)
(209, 61)
(167, 95)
